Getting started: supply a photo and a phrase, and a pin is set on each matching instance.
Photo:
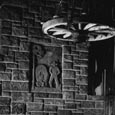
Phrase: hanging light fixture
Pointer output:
(64, 29)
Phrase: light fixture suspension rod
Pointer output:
(70, 13)
(58, 9)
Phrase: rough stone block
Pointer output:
(15, 86)
(67, 49)
(53, 95)
(35, 107)
(24, 46)
(68, 74)
(27, 14)
(28, 113)
(21, 56)
(70, 88)
(83, 89)
(11, 65)
(40, 95)
(80, 97)
(39, 113)
(80, 62)
(38, 100)
(81, 46)
(77, 68)
(14, 41)
(10, 52)
(50, 4)
(9, 40)
(9, 58)
(34, 8)
(19, 3)
(18, 108)
(5, 40)
(2, 57)
(47, 95)
(21, 96)
(64, 112)
(8, 70)
(5, 76)
(34, 32)
(68, 57)
(70, 106)
(27, 22)
(50, 108)
(69, 95)
(52, 113)
(23, 39)
(20, 75)
(81, 79)
(99, 104)
(6, 23)
(16, 23)
(13, 48)
(58, 102)
(69, 82)
(68, 65)
(49, 101)
(84, 70)
(83, 55)
(19, 31)
(73, 48)
(23, 64)
(39, 39)
(95, 97)
(78, 105)
(10, 12)
(2, 66)
(78, 113)
(6, 93)
(5, 51)
(94, 112)
(75, 54)
(5, 101)
(4, 110)
(87, 104)
(6, 30)
(57, 42)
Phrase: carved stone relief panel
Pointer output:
(47, 68)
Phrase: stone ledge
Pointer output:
(46, 90)
(15, 86)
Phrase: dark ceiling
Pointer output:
(100, 11)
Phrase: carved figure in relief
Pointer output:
(41, 76)
(38, 50)
(54, 72)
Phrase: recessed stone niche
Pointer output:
(47, 68)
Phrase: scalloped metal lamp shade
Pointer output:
(58, 28)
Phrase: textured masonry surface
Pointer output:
(19, 29)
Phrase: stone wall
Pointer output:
(20, 29)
